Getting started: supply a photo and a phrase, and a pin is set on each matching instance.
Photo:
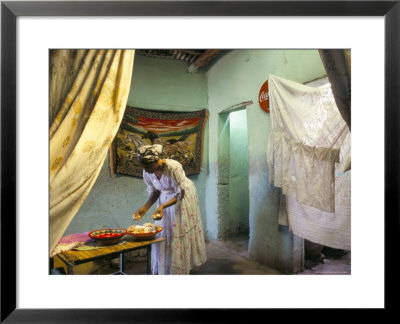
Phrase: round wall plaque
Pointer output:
(263, 97)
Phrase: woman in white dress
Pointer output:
(178, 212)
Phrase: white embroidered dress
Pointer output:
(184, 247)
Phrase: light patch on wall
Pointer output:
(239, 173)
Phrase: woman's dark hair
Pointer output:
(144, 161)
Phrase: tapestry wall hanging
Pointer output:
(180, 133)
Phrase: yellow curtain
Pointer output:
(88, 94)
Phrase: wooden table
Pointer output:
(74, 257)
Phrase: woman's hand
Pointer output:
(159, 213)
(139, 213)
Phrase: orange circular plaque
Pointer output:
(263, 97)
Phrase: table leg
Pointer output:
(149, 259)
(70, 269)
(51, 264)
(121, 262)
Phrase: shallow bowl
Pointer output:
(107, 236)
(145, 236)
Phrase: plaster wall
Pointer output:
(160, 85)
(234, 79)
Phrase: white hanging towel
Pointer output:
(307, 132)
(329, 229)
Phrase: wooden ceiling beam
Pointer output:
(193, 52)
(202, 60)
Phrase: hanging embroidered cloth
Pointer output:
(329, 229)
(306, 135)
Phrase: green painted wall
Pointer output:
(165, 85)
(160, 85)
(236, 78)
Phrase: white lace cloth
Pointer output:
(184, 247)
(306, 135)
(329, 229)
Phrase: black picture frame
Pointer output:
(11, 10)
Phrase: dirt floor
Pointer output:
(230, 257)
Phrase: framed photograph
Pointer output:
(180, 133)
(24, 258)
